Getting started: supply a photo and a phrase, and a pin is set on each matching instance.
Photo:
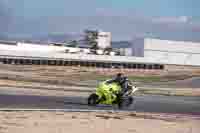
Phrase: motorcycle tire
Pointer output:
(93, 99)
(125, 102)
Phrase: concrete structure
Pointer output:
(125, 48)
(21, 46)
(148, 54)
(104, 40)
(167, 52)
(173, 52)
(55, 58)
(32, 47)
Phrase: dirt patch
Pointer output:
(152, 117)
(109, 117)
(80, 75)
(63, 122)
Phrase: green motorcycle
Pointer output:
(109, 94)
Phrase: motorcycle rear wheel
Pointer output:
(93, 99)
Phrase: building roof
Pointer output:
(8, 42)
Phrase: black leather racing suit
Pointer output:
(122, 81)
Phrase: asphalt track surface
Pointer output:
(148, 103)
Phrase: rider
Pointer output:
(122, 81)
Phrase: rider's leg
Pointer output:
(124, 87)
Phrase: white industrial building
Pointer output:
(104, 39)
(38, 48)
(167, 52)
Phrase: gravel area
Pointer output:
(62, 122)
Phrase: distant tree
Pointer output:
(95, 47)
(74, 43)
(91, 38)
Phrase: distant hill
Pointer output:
(60, 38)
(52, 37)
(3, 37)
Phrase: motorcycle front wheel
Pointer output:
(125, 102)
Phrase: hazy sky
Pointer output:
(85, 7)
(163, 18)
